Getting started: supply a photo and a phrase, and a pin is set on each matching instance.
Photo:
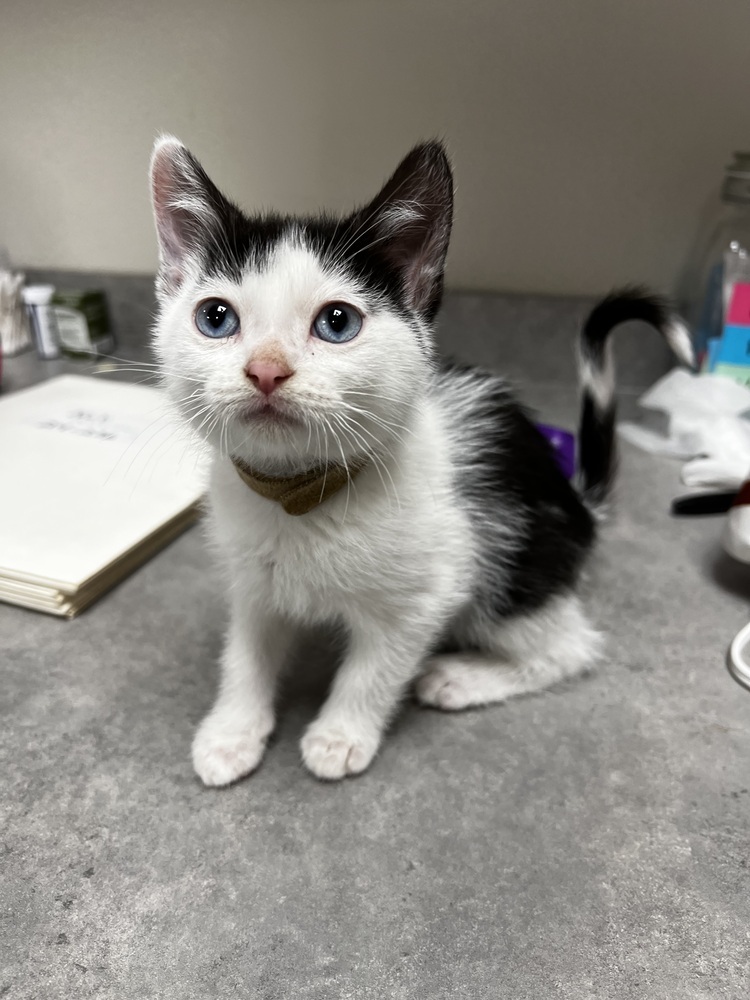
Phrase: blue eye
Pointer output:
(217, 319)
(337, 323)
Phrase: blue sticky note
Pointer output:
(709, 362)
(734, 346)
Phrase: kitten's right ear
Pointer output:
(189, 210)
(407, 226)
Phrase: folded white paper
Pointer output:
(96, 476)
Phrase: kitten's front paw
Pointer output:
(332, 753)
(222, 755)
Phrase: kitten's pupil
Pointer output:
(215, 314)
(337, 319)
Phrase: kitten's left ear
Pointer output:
(408, 225)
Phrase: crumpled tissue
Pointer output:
(704, 418)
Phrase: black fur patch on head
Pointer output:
(395, 246)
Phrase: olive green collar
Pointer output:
(301, 493)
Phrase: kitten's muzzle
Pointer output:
(267, 376)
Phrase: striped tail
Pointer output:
(598, 453)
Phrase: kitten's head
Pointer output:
(290, 342)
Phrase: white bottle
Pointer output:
(38, 301)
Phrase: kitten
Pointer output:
(355, 480)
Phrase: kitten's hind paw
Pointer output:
(222, 756)
(440, 687)
(331, 753)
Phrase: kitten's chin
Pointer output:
(268, 438)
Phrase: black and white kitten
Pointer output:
(354, 480)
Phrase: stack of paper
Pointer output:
(96, 478)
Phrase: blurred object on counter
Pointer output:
(736, 538)
(738, 657)
(719, 258)
(83, 326)
(730, 354)
(702, 504)
(698, 417)
(14, 328)
(564, 446)
(736, 541)
(38, 300)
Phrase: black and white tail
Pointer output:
(598, 453)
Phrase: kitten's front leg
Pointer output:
(231, 740)
(381, 661)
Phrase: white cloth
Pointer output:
(704, 418)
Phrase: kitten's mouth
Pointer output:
(269, 414)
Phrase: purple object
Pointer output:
(564, 446)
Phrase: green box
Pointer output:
(83, 323)
(740, 373)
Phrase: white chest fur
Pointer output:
(395, 538)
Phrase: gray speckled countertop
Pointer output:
(589, 842)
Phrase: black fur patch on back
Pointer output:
(533, 529)
(559, 530)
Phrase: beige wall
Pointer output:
(586, 134)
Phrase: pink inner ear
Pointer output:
(172, 278)
(419, 281)
(166, 181)
(422, 252)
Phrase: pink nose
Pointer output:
(267, 375)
